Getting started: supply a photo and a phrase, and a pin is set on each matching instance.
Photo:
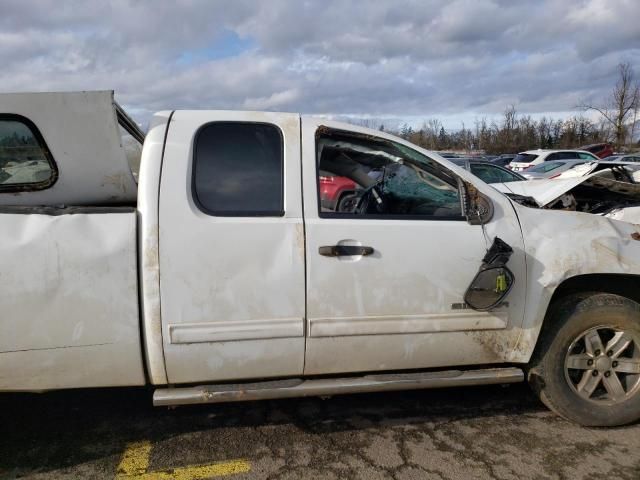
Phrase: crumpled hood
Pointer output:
(542, 191)
(545, 192)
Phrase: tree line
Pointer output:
(512, 134)
(617, 123)
(15, 140)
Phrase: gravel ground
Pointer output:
(468, 433)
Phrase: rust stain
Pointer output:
(497, 344)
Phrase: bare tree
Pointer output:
(433, 126)
(634, 122)
(621, 104)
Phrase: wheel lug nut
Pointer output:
(614, 364)
(610, 353)
(589, 362)
(595, 373)
(597, 352)
(607, 374)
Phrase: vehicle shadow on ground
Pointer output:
(44, 432)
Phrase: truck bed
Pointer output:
(69, 298)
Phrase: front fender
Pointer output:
(560, 245)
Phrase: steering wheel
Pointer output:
(370, 195)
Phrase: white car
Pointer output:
(527, 159)
(631, 157)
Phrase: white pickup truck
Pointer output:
(216, 273)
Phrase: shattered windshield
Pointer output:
(373, 176)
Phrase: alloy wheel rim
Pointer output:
(602, 365)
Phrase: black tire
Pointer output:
(572, 320)
(347, 202)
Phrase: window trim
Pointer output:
(33, 186)
(246, 213)
(353, 216)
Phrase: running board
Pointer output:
(334, 386)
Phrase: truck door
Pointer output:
(388, 264)
(231, 245)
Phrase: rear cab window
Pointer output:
(26, 163)
(238, 169)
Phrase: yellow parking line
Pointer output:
(135, 460)
(135, 465)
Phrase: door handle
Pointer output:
(344, 250)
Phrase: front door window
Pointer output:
(385, 180)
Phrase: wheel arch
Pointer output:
(625, 285)
(621, 284)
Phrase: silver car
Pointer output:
(550, 169)
(630, 157)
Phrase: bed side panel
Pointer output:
(69, 299)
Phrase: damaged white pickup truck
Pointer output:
(216, 273)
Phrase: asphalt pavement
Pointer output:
(468, 433)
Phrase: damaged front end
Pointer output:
(606, 193)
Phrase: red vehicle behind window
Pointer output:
(601, 150)
(335, 191)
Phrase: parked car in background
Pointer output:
(530, 158)
(630, 157)
(486, 171)
(601, 150)
(335, 190)
(504, 160)
(484, 158)
(551, 169)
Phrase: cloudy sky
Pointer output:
(452, 59)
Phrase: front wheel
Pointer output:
(587, 366)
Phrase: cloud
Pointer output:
(407, 58)
(274, 101)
